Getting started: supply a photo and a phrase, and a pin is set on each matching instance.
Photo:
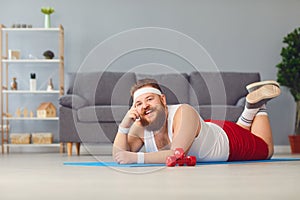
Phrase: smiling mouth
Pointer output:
(148, 112)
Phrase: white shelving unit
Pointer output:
(31, 61)
(31, 118)
(30, 92)
(55, 29)
(4, 73)
(31, 145)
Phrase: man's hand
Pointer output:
(130, 117)
(125, 157)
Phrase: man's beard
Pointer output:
(159, 120)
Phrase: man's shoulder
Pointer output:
(185, 114)
(181, 106)
(184, 108)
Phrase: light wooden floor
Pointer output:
(43, 176)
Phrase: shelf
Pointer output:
(31, 118)
(7, 65)
(30, 29)
(30, 92)
(33, 145)
(31, 61)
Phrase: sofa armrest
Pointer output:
(241, 102)
(73, 101)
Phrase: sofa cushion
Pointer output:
(102, 113)
(220, 112)
(103, 88)
(72, 101)
(224, 88)
(69, 82)
(174, 86)
(241, 102)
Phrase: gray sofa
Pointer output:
(96, 102)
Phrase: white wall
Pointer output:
(239, 35)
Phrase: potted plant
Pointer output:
(289, 75)
(47, 11)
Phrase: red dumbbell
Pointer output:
(180, 159)
(189, 161)
(171, 161)
(179, 153)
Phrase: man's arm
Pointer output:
(128, 142)
(127, 136)
(120, 143)
(186, 126)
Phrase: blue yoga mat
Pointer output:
(114, 164)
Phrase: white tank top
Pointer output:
(211, 144)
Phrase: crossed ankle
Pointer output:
(261, 96)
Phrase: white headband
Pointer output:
(145, 90)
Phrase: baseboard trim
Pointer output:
(282, 149)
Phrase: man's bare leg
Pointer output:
(255, 118)
(261, 127)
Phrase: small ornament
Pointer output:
(18, 112)
(47, 11)
(25, 112)
(48, 54)
(50, 85)
(32, 82)
(7, 114)
(14, 84)
(31, 114)
(46, 109)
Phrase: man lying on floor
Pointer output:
(163, 128)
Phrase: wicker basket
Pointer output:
(42, 138)
(20, 138)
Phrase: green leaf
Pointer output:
(47, 10)
(288, 73)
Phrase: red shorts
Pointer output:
(243, 145)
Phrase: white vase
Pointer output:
(47, 21)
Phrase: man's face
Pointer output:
(151, 110)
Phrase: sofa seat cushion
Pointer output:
(102, 113)
(220, 112)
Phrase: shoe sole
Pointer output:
(265, 92)
(256, 85)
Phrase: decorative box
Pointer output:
(20, 138)
(42, 138)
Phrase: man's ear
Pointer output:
(163, 99)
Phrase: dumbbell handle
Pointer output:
(171, 161)
(189, 161)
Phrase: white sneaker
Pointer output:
(253, 86)
(260, 96)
